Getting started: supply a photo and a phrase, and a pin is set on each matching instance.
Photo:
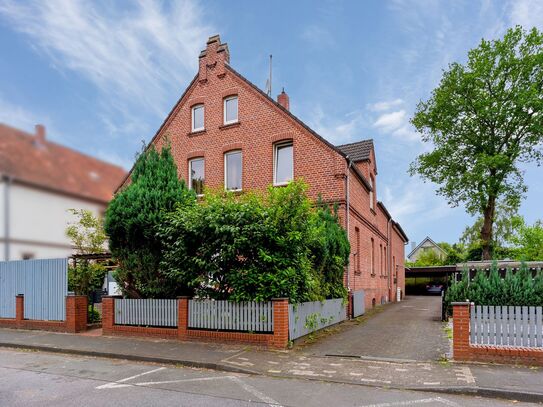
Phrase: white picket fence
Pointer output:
(146, 312)
(506, 326)
(231, 316)
(308, 317)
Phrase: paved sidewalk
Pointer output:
(411, 329)
(497, 381)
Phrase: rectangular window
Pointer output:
(381, 259)
(231, 110)
(371, 192)
(283, 171)
(372, 257)
(196, 175)
(233, 171)
(357, 254)
(198, 118)
(386, 261)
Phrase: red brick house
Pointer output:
(225, 132)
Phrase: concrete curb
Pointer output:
(135, 358)
(525, 396)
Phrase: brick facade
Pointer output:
(261, 124)
(463, 350)
(76, 317)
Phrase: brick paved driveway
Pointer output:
(410, 329)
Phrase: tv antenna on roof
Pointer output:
(269, 81)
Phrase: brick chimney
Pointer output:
(213, 58)
(40, 134)
(283, 100)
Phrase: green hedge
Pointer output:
(489, 288)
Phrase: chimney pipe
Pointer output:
(40, 133)
(283, 100)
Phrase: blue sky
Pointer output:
(102, 76)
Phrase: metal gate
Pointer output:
(44, 284)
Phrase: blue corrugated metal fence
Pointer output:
(44, 284)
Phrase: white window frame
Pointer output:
(190, 171)
(276, 148)
(201, 105)
(226, 172)
(224, 110)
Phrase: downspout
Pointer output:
(347, 210)
(7, 184)
(389, 260)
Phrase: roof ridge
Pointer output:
(355, 142)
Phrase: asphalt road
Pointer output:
(42, 379)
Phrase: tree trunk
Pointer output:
(486, 230)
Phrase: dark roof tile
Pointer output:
(359, 151)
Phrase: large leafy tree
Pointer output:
(483, 120)
(132, 221)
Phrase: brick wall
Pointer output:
(262, 123)
(279, 338)
(76, 317)
(463, 350)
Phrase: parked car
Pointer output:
(434, 288)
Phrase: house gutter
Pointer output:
(7, 186)
(347, 210)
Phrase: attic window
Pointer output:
(231, 110)
(283, 171)
(198, 118)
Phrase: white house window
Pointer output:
(231, 110)
(283, 170)
(196, 175)
(198, 117)
(233, 171)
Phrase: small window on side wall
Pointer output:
(230, 110)
(371, 192)
(233, 171)
(198, 118)
(283, 163)
(196, 175)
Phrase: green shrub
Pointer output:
(132, 221)
(93, 315)
(519, 288)
(253, 247)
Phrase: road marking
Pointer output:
(356, 374)
(401, 370)
(329, 371)
(413, 402)
(196, 379)
(118, 383)
(431, 383)
(273, 363)
(250, 389)
(464, 374)
(274, 371)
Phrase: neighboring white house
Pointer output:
(39, 182)
(426, 245)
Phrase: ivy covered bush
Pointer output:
(254, 247)
(489, 288)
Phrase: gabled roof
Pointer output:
(28, 159)
(426, 239)
(358, 151)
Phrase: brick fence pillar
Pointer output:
(280, 322)
(108, 314)
(182, 317)
(461, 313)
(19, 310)
(76, 313)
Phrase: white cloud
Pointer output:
(18, 117)
(385, 105)
(135, 57)
(527, 13)
(390, 121)
(318, 36)
(337, 131)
